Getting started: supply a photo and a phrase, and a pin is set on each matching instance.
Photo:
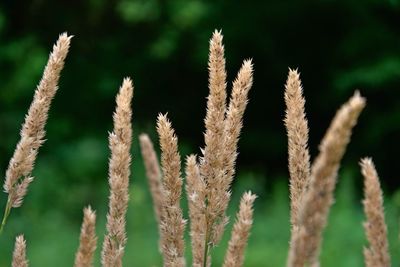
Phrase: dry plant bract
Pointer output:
(172, 221)
(313, 191)
(240, 233)
(377, 254)
(87, 240)
(153, 173)
(209, 178)
(19, 172)
(19, 255)
(154, 176)
(196, 195)
(297, 131)
(119, 171)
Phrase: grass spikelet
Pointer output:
(153, 173)
(216, 109)
(19, 255)
(240, 232)
(196, 193)
(315, 205)
(19, 172)
(87, 240)
(377, 254)
(173, 223)
(297, 132)
(119, 171)
(219, 188)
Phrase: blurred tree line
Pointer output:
(338, 46)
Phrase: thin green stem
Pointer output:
(5, 216)
(205, 257)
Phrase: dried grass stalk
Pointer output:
(154, 178)
(19, 172)
(216, 107)
(240, 232)
(211, 164)
(153, 174)
(377, 254)
(87, 240)
(316, 203)
(297, 132)
(209, 181)
(217, 166)
(234, 117)
(119, 171)
(196, 194)
(173, 224)
(219, 188)
(19, 255)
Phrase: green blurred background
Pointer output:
(338, 46)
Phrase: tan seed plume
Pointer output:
(19, 255)
(19, 172)
(240, 232)
(316, 203)
(219, 196)
(209, 180)
(173, 224)
(196, 193)
(297, 132)
(211, 164)
(119, 171)
(234, 117)
(153, 173)
(154, 178)
(377, 254)
(216, 108)
(87, 240)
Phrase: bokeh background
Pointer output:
(338, 46)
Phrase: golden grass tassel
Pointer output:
(315, 205)
(211, 163)
(19, 172)
(297, 132)
(377, 254)
(209, 179)
(153, 173)
(196, 194)
(219, 188)
(87, 240)
(19, 255)
(119, 171)
(240, 232)
(154, 178)
(173, 223)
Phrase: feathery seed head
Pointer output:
(196, 192)
(377, 254)
(32, 132)
(88, 239)
(154, 178)
(240, 232)
(317, 200)
(153, 173)
(216, 109)
(19, 255)
(297, 131)
(173, 223)
(119, 171)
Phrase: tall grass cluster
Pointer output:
(207, 176)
